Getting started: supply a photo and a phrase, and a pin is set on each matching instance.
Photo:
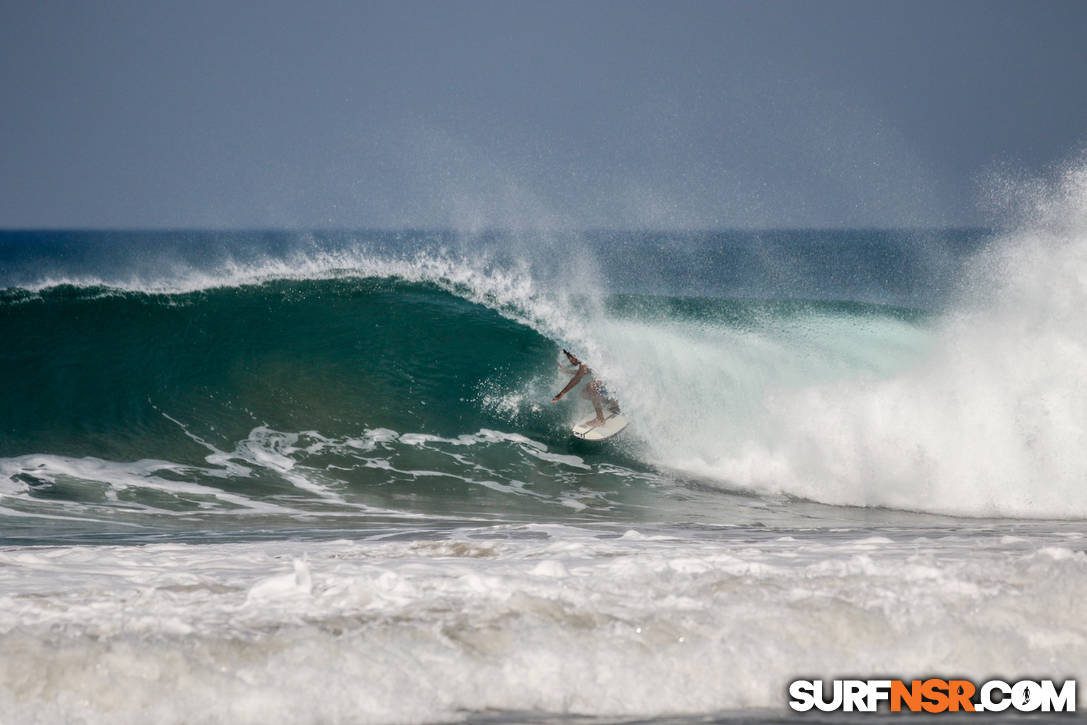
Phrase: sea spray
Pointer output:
(988, 422)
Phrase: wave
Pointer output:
(968, 411)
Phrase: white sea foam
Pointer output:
(980, 415)
(575, 622)
(119, 476)
(164, 488)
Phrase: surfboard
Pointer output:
(613, 424)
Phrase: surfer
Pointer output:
(594, 390)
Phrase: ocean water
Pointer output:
(277, 477)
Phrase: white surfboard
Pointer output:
(613, 424)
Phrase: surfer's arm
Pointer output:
(570, 385)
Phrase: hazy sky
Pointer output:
(522, 115)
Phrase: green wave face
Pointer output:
(94, 372)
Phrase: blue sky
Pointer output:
(523, 115)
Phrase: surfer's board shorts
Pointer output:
(600, 389)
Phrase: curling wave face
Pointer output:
(183, 373)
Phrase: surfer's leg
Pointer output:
(599, 419)
(592, 392)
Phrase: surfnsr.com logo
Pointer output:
(933, 695)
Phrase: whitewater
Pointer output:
(317, 477)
